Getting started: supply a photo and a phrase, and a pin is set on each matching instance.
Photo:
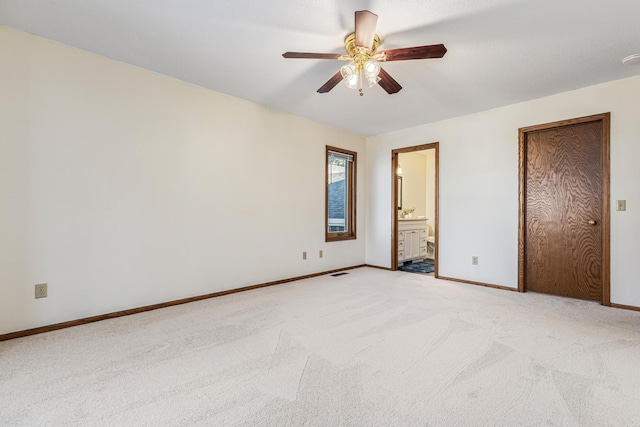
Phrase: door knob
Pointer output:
(592, 222)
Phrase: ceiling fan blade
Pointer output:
(366, 23)
(418, 52)
(312, 55)
(331, 83)
(388, 83)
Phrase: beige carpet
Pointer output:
(371, 348)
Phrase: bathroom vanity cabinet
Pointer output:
(412, 239)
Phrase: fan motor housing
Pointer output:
(353, 50)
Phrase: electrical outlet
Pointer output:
(621, 205)
(304, 255)
(320, 254)
(474, 260)
(41, 290)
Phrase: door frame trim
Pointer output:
(605, 118)
(394, 200)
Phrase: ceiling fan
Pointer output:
(362, 51)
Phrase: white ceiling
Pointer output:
(499, 51)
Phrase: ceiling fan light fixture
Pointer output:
(348, 70)
(352, 82)
(373, 80)
(372, 68)
(371, 71)
(357, 74)
(350, 75)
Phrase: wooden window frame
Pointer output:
(350, 234)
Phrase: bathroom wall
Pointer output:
(430, 160)
(414, 183)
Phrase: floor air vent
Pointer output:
(338, 274)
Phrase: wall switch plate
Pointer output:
(304, 255)
(320, 254)
(41, 290)
(621, 205)
(474, 260)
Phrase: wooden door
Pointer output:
(565, 216)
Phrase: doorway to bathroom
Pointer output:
(414, 204)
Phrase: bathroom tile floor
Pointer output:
(426, 266)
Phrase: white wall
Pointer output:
(479, 184)
(122, 188)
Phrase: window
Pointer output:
(340, 195)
